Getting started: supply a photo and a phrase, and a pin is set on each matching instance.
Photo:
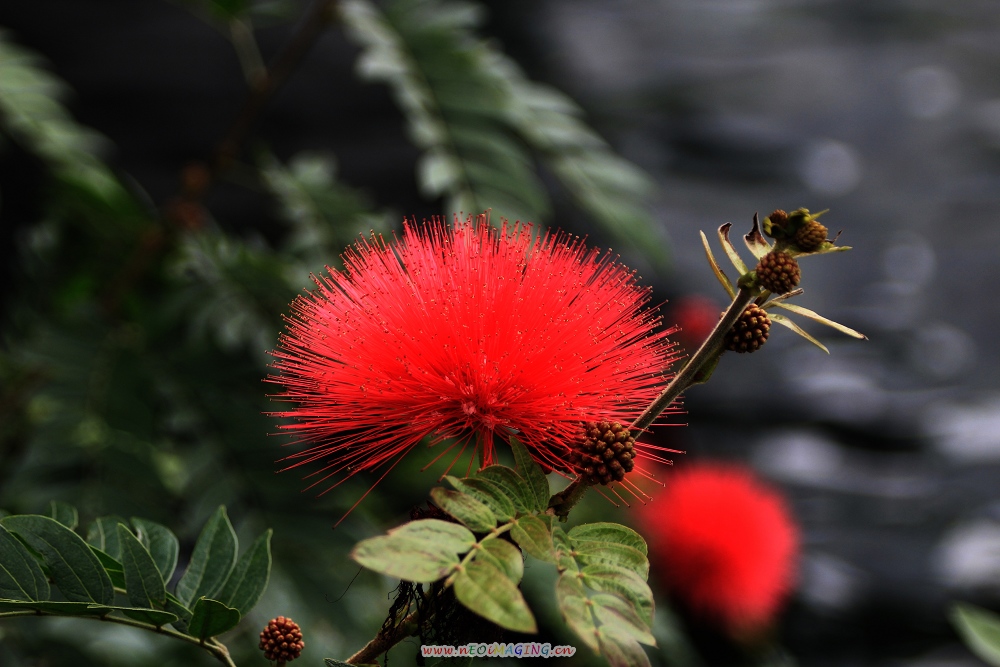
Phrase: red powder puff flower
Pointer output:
(465, 332)
(724, 543)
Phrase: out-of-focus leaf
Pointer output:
(980, 629)
(103, 534)
(474, 111)
(75, 570)
(458, 111)
(64, 513)
(323, 215)
(31, 112)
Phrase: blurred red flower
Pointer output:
(696, 316)
(723, 542)
(464, 332)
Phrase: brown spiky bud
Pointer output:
(778, 272)
(810, 236)
(281, 640)
(777, 222)
(750, 330)
(606, 452)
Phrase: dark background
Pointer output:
(887, 113)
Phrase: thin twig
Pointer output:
(564, 501)
(309, 30)
(384, 641)
(215, 647)
(709, 348)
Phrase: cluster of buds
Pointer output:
(281, 640)
(605, 454)
(775, 277)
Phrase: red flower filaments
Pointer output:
(463, 332)
(725, 543)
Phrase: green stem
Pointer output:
(384, 641)
(496, 532)
(709, 348)
(215, 647)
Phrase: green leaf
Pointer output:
(615, 613)
(625, 583)
(442, 534)
(564, 550)
(785, 322)
(64, 513)
(60, 608)
(74, 568)
(731, 253)
(576, 609)
(175, 606)
(504, 556)
(114, 569)
(608, 532)
(30, 111)
(486, 590)
(249, 578)
(21, 578)
(720, 275)
(620, 648)
(143, 582)
(611, 553)
(532, 474)
(533, 535)
(103, 534)
(456, 104)
(405, 557)
(151, 616)
(816, 317)
(487, 492)
(161, 544)
(512, 485)
(979, 629)
(213, 559)
(211, 618)
(474, 514)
